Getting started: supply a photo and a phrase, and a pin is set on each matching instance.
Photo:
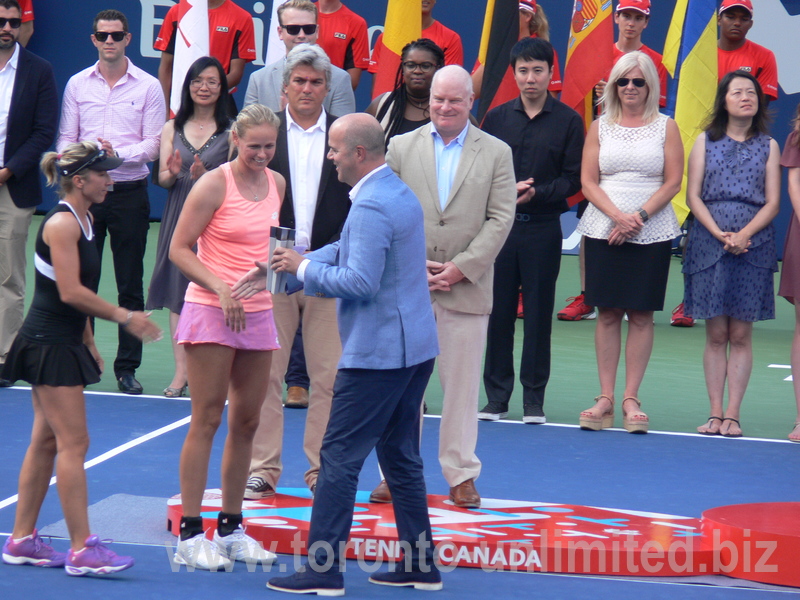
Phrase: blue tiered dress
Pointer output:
(718, 282)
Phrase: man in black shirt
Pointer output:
(546, 139)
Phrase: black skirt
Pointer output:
(629, 276)
(50, 364)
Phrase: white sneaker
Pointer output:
(199, 553)
(240, 546)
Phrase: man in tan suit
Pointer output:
(464, 179)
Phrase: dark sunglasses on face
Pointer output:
(14, 22)
(295, 29)
(102, 36)
(637, 81)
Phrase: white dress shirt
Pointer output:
(7, 76)
(306, 155)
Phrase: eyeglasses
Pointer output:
(295, 29)
(637, 81)
(211, 84)
(102, 36)
(425, 67)
(15, 23)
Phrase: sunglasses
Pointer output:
(637, 81)
(295, 29)
(14, 22)
(102, 36)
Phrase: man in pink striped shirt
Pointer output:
(120, 106)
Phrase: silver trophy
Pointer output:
(279, 237)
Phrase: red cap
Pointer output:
(528, 5)
(642, 6)
(745, 4)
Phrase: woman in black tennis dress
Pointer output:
(55, 352)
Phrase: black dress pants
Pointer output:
(125, 217)
(531, 257)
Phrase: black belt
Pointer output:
(526, 217)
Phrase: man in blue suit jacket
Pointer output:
(29, 114)
(377, 271)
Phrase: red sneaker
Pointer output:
(680, 318)
(576, 310)
(520, 314)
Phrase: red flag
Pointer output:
(589, 54)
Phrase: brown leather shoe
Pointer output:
(296, 397)
(381, 494)
(464, 495)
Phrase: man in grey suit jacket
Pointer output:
(298, 25)
(377, 270)
(464, 179)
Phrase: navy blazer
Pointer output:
(333, 199)
(32, 127)
(377, 270)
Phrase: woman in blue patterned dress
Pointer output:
(731, 257)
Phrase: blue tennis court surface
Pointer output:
(134, 469)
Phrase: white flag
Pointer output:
(191, 43)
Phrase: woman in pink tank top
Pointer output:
(228, 342)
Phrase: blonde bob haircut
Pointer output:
(612, 107)
(254, 115)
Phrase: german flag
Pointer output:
(500, 33)
(589, 54)
(403, 25)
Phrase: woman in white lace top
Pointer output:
(632, 167)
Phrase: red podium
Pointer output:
(759, 542)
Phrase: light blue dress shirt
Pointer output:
(447, 158)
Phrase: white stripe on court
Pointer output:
(114, 452)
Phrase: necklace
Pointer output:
(200, 125)
(249, 189)
(422, 105)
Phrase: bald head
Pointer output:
(451, 101)
(455, 75)
(356, 146)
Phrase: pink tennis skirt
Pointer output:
(203, 324)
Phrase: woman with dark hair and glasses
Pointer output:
(192, 143)
(407, 107)
(632, 167)
(55, 352)
(733, 190)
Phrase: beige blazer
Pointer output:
(475, 222)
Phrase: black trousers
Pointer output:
(125, 217)
(372, 409)
(531, 257)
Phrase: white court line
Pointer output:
(114, 452)
(676, 433)
(116, 394)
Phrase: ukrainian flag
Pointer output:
(690, 56)
(403, 25)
